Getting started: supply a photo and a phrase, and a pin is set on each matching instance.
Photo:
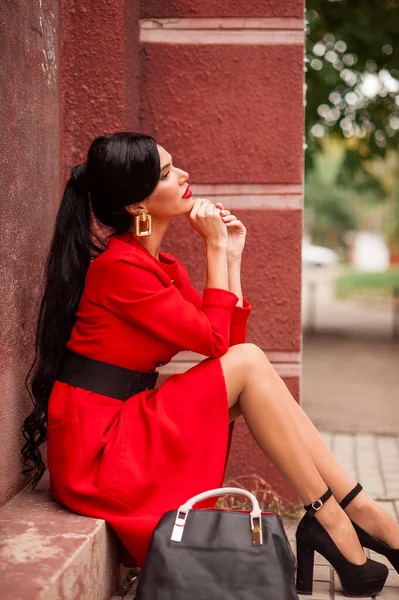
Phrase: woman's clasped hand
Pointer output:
(208, 219)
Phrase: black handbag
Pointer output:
(213, 554)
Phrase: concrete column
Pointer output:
(222, 91)
(99, 73)
(28, 203)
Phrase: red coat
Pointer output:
(129, 462)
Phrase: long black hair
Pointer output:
(122, 169)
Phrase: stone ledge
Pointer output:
(50, 553)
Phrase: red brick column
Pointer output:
(221, 87)
(222, 90)
(99, 73)
(29, 190)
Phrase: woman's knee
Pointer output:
(240, 363)
(248, 354)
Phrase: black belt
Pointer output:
(104, 378)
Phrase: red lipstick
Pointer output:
(188, 193)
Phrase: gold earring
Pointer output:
(143, 217)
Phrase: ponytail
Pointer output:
(122, 169)
(70, 254)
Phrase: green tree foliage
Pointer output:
(352, 77)
(387, 172)
(330, 209)
(352, 95)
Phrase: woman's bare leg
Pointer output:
(250, 378)
(363, 510)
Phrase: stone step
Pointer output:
(50, 553)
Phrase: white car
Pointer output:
(318, 256)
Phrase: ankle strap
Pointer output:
(349, 497)
(314, 506)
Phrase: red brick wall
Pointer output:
(222, 8)
(222, 111)
(222, 90)
(220, 85)
(99, 73)
(28, 203)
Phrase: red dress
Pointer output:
(129, 462)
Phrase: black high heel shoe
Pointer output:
(366, 539)
(363, 580)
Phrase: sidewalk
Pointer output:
(374, 461)
(351, 384)
(350, 392)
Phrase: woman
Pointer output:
(119, 449)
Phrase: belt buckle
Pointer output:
(151, 380)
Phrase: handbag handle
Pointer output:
(218, 492)
(184, 509)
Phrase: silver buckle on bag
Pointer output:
(178, 528)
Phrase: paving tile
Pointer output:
(353, 473)
(344, 450)
(392, 479)
(290, 526)
(372, 480)
(327, 437)
(373, 491)
(392, 485)
(367, 455)
(388, 446)
(370, 476)
(393, 580)
(371, 470)
(365, 441)
(389, 507)
(320, 560)
(391, 470)
(368, 465)
(389, 593)
(388, 450)
(321, 591)
(340, 594)
(322, 573)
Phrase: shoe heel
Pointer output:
(393, 556)
(305, 565)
